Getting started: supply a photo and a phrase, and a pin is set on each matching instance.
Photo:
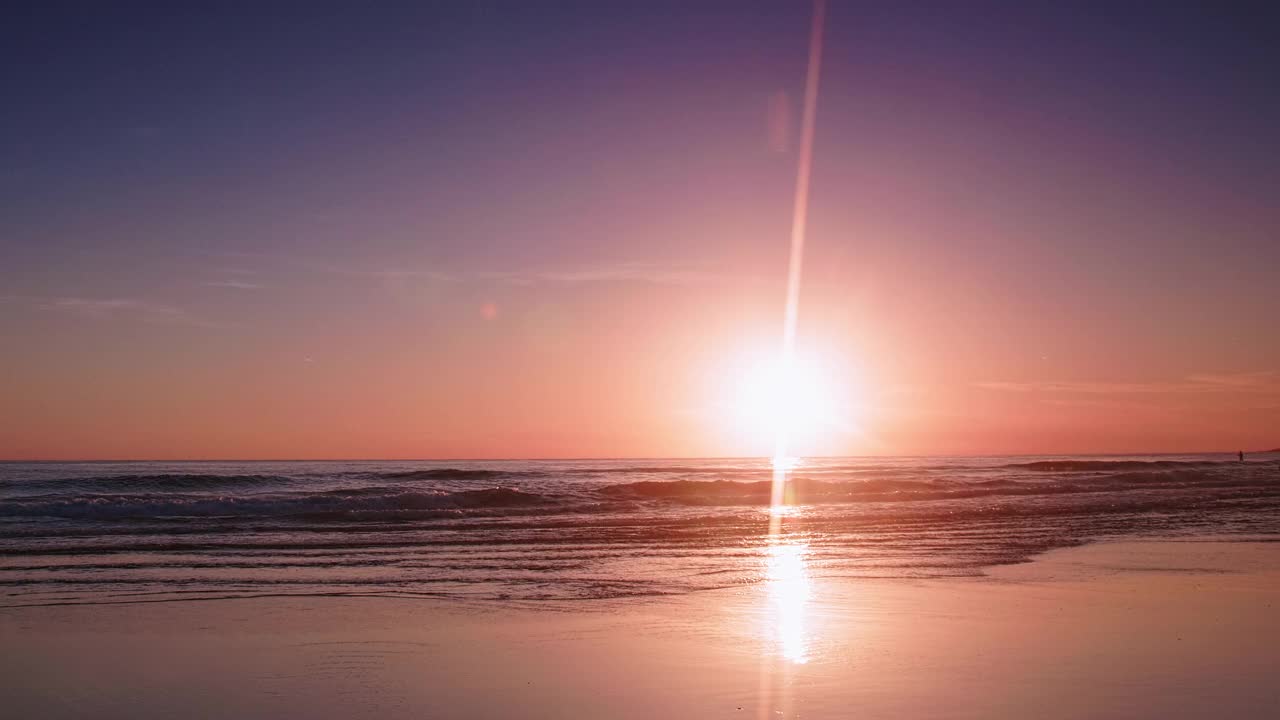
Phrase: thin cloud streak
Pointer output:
(234, 285)
(143, 310)
(625, 272)
(638, 272)
(1258, 382)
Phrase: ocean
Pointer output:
(577, 530)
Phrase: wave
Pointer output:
(371, 503)
(578, 529)
(165, 497)
(160, 482)
(456, 474)
(809, 491)
(757, 471)
(672, 469)
(799, 491)
(1096, 465)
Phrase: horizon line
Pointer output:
(619, 457)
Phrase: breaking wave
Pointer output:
(457, 474)
(160, 482)
(809, 491)
(531, 530)
(369, 503)
(1097, 465)
(153, 497)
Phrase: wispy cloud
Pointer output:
(622, 272)
(626, 272)
(143, 310)
(1257, 382)
(615, 272)
(1245, 381)
(233, 285)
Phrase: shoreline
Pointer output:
(1056, 558)
(1171, 627)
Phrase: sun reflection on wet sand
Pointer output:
(789, 589)
(784, 629)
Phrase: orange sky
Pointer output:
(406, 368)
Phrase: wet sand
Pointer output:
(1166, 629)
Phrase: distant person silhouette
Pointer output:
(1241, 456)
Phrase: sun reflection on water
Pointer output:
(787, 575)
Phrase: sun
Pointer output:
(784, 401)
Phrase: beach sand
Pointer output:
(1168, 629)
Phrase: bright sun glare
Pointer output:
(794, 401)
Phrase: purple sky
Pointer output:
(497, 229)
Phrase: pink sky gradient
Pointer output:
(554, 235)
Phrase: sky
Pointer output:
(488, 230)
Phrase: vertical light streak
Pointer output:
(786, 573)
(795, 263)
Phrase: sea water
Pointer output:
(532, 531)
